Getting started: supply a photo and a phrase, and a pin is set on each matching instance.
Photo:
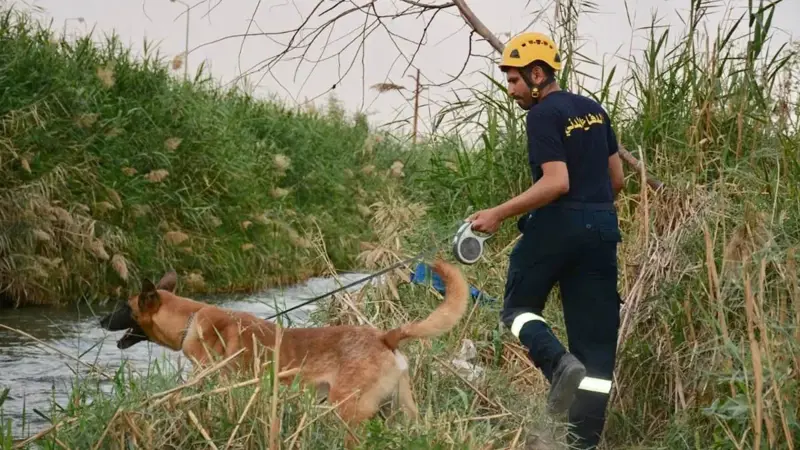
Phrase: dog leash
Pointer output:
(466, 247)
(354, 283)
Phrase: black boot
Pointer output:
(567, 377)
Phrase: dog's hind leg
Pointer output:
(406, 397)
(353, 407)
(402, 400)
(361, 401)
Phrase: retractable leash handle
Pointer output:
(467, 246)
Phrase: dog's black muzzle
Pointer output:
(121, 318)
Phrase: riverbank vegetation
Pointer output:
(710, 341)
(112, 169)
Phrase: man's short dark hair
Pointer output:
(548, 71)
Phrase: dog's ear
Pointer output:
(168, 281)
(148, 297)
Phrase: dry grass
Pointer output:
(212, 410)
(47, 242)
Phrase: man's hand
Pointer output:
(486, 220)
(553, 184)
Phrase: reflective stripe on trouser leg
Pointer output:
(544, 349)
(597, 385)
(521, 320)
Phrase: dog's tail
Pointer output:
(444, 317)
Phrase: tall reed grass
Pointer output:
(710, 342)
(709, 348)
(111, 169)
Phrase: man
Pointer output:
(569, 235)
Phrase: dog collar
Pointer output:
(185, 331)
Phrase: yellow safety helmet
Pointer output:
(526, 48)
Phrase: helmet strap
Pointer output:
(535, 88)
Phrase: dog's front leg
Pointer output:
(203, 351)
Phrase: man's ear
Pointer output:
(149, 301)
(168, 281)
(537, 74)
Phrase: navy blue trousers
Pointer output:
(574, 245)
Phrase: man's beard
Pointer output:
(525, 105)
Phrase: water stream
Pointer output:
(36, 375)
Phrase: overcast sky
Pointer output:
(607, 36)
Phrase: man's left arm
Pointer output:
(546, 142)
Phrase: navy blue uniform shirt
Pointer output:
(576, 130)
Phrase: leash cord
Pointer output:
(367, 278)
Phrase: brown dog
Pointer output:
(360, 366)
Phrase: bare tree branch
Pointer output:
(249, 24)
(478, 26)
(425, 6)
(304, 44)
(377, 16)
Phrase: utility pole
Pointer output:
(416, 109)
(186, 41)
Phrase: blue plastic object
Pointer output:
(423, 274)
